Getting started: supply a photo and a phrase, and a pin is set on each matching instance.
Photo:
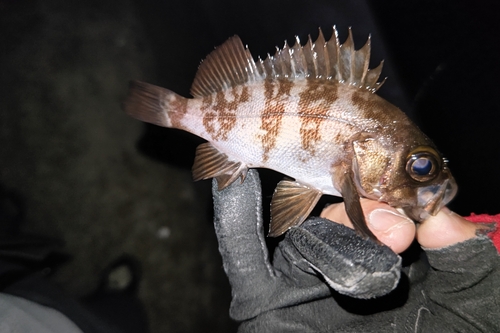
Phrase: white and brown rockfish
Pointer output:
(311, 113)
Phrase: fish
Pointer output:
(310, 112)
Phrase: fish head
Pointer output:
(413, 177)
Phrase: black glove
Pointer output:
(323, 275)
(312, 258)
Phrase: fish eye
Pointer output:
(422, 165)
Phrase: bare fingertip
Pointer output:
(392, 228)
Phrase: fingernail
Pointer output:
(384, 220)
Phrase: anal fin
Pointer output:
(211, 163)
(353, 207)
(291, 204)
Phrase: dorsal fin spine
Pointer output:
(308, 57)
(365, 50)
(346, 54)
(371, 78)
(251, 65)
(268, 66)
(333, 49)
(260, 67)
(283, 60)
(319, 46)
(317, 72)
(296, 62)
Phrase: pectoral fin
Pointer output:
(291, 204)
(353, 207)
(211, 163)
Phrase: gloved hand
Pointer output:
(312, 258)
(317, 264)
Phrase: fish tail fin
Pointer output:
(153, 104)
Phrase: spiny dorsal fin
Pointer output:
(231, 64)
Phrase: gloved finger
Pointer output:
(350, 264)
(392, 228)
(239, 227)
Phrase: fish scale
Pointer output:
(311, 113)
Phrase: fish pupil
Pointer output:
(422, 166)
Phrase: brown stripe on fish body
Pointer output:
(220, 111)
(314, 104)
(272, 114)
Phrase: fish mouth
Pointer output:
(430, 199)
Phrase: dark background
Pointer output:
(75, 168)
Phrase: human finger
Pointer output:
(392, 228)
(445, 229)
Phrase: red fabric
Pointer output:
(485, 218)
